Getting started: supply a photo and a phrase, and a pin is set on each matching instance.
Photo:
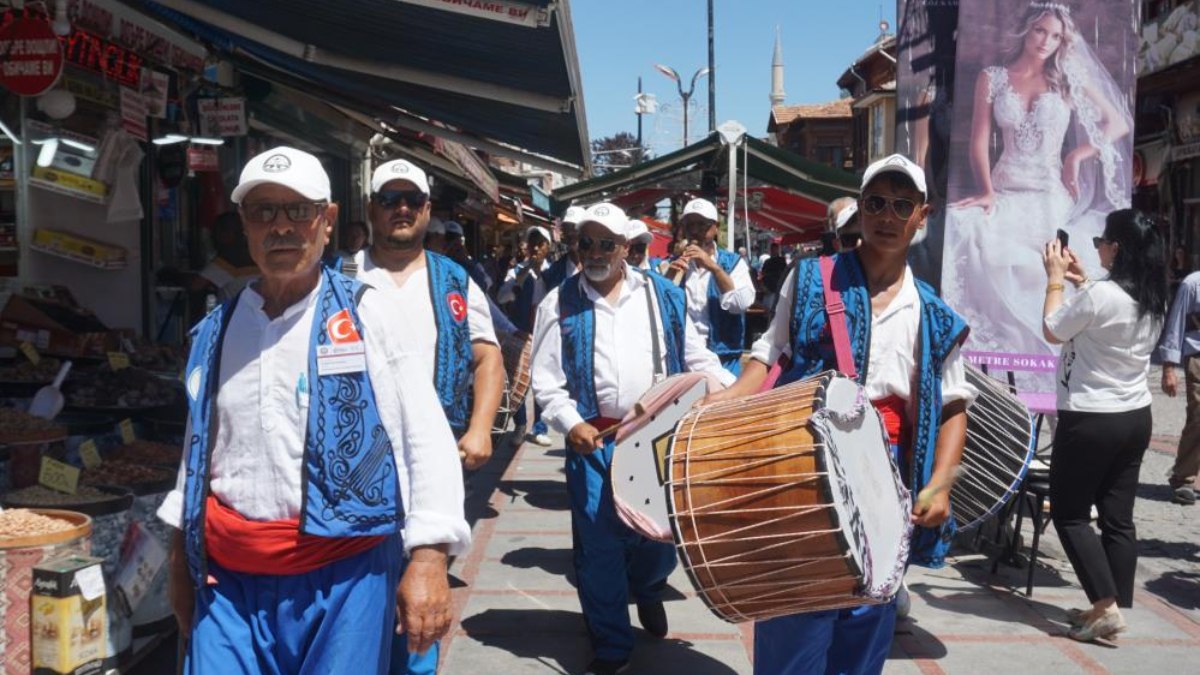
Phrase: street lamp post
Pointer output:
(686, 96)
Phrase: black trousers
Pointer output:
(1096, 461)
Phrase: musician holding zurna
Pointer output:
(602, 339)
(904, 343)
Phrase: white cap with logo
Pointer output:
(573, 215)
(701, 207)
(845, 216)
(608, 216)
(399, 169)
(545, 234)
(288, 167)
(896, 164)
(636, 231)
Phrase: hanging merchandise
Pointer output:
(57, 104)
(118, 165)
(31, 58)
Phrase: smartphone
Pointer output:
(1062, 239)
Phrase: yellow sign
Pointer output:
(127, 435)
(89, 454)
(31, 353)
(118, 360)
(59, 476)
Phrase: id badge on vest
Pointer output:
(346, 351)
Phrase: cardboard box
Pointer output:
(68, 619)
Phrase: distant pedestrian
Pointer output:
(1108, 329)
(773, 272)
(1180, 344)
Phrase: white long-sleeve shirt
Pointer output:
(508, 290)
(262, 416)
(892, 361)
(736, 301)
(624, 362)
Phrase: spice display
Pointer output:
(146, 452)
(37, 495)
(159, 358)
(17, 426)
(18, 523)
(125, 473)
(26, 372)
(125, 388)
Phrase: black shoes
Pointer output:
(653, 617)
(1183, 495)
(606, 667)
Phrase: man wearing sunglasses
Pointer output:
(280, 563)
(639, 241)
(905, 344)
(568, 263)
(717, 283)
(601, 338)
(843, 220)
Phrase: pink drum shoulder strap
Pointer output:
(836, 312)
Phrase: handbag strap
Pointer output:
(836, 311)
(658, 369)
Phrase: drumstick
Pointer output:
(925, 497)
(609, 430)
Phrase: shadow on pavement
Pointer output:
(550, 495)
(915, 642)
(1175, 550)
(558, 639)
(1158, 492)
(1181, 589)
(556, 561)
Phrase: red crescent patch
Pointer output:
(458, 306)
(341, 330)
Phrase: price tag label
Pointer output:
(91, 582)
(59, 476)
(118, 360)
(31, 353)
(127, 435)
(89, 454)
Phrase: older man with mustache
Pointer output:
(319, 495)
(600, 340)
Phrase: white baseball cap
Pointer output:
(452, 227)
(399, 169)
(540, 230)
(609, 216)
(703, 207)
(573, 215)
(436, 226)
(288, 167)
(636, 231)
(898, 164)
(845, 216)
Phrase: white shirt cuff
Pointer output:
(171, 509)
(430, 529)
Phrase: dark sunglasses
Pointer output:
(390, 199)
(639, 248)
(606, 245)
(1096, 241)
(262, 213)
(850, 239)
(902, 207)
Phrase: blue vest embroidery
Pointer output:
(727, 331)
(349, 483)
(940, 331)
(448, 287)
(556, 273)
(577, 325)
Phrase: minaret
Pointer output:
(777, 94)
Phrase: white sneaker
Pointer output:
(539, 439)
(903, 601)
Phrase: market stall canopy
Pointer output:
(505, 72)
(787, 193)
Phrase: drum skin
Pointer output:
(517, 353)
(749, 498)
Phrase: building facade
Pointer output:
(870, 83)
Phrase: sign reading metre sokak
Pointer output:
(31, 58)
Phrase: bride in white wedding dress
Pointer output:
(1051, 94)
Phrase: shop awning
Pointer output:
(508, 81)
(787, 193)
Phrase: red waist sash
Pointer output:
(274, 546)
(893, 410)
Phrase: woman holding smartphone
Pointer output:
(1108, 329)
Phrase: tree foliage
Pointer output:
(616, 152)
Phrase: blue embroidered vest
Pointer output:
(525, 310)
(556, 273)
(940, 331)
(727, 331)
(577, 325)
(448, 286)
(349, 483)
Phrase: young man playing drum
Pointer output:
(905, 344)
(599, 341)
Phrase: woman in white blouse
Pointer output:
(1108, 329)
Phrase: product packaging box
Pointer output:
(68, 620)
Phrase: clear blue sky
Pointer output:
(618, 40)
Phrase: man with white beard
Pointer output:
(600, 339)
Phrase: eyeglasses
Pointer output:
(390, 199)
(263, 213)
(875, 204)
(606, 245)
(1096, 241)
(850, 239)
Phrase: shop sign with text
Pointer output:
(31, 59)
